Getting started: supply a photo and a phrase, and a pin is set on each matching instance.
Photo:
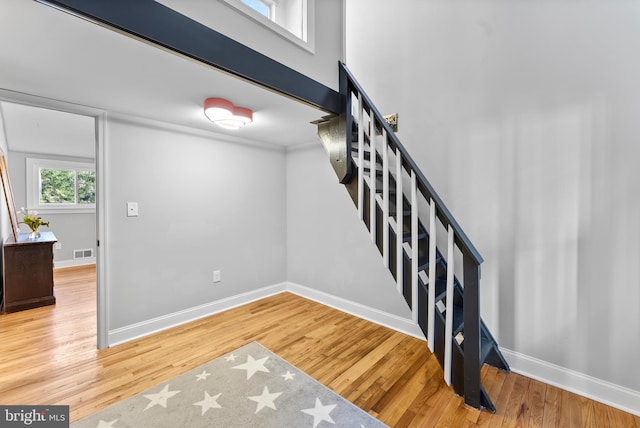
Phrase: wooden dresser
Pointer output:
(27, 267)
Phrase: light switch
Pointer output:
(132, 209)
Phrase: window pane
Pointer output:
(258, 6)
(86, 187)
(57, 186)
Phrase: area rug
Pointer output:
(249, 387)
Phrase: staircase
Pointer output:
(435, 266)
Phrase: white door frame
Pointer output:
(100, 117)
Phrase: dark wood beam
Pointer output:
(166, 28)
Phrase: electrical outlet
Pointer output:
(132, 209)
(57, 246)
(216, 276)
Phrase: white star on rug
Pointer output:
(209, 402)
(105, 424)
(320, 413)
(288, 375)
(230, 357)
(203, 376)
(265, 399)
(252, 366)
(160, 398)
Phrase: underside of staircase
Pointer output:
(419, 240)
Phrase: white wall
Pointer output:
(204, 204)
(524, 117)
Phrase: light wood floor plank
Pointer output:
(552, 402)
(536, 395)
(48, 356)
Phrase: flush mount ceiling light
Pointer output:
(222, 112)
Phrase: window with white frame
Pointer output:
(55, 186)
(286, 17)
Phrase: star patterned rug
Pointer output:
(249, 387)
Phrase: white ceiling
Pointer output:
(38, 130)
(49, 53)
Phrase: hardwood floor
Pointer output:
(48, 356)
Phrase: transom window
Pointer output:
(262, 7)
(289, 18)
(60, 186)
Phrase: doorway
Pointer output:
(54, 156)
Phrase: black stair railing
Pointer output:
(393, 197)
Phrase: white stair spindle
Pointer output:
(385, 199)
(361, 159)
(448, 330)
(372, 178)
(399, 225)
(431, 311)
(414, 246)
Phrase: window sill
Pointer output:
(73, 210)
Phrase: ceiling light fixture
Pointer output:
(222, 112)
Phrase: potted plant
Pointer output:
(34, 222)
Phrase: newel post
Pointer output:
(471, 316)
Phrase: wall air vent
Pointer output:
(82, 254)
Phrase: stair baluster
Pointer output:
(373, 179)
(399, 224)
(448, 330)
(361, 160)
(385, 199)
(414, 247)
(431, 313)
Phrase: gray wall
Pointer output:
(328, 247)
(524, 117)
(75, 231)
(204, 204)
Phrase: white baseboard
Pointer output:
(73, 263)
(570, 380)
(144, 328)
(394, 322)
(597, 389)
